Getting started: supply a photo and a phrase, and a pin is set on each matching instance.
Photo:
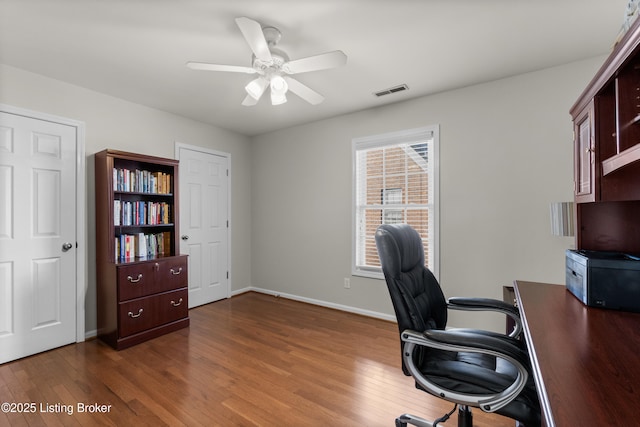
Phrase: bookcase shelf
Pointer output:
(145, 226)
(140, 194)
(142, 281)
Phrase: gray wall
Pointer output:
(505, 155)
(114, 123)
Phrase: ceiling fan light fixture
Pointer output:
(279, 88)
(256, 87)
(277, 99)
(279, 85)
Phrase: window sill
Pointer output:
(368, 274)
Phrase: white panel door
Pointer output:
(37, 235)
(204, 223)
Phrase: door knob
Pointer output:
(66, 246)
(185, 237)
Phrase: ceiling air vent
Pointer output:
(391, 90)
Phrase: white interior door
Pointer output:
(37, 235)
(204, 222)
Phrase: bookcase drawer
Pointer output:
(150, 277)
(145, 313)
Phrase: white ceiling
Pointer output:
(136, 49)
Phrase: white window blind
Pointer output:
(394, 182)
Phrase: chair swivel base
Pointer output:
(465, 419)
(405, 419)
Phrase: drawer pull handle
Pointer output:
(175, 304)
(133, 316)
(175, 273)
(132, 280)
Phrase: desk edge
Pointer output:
(537, 374)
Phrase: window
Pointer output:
(395, 181)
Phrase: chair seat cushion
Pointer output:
(464, 372)
(475, 373)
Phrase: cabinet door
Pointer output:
(585, 156)
(136, 280)
(172, 272)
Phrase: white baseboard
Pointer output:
(349, 309)
(90, 334)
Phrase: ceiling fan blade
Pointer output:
(323, 61)
(252, 32)
(216, 67)
(304, 92)
(249, 101)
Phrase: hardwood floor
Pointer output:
(252, 360)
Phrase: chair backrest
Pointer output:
(416, 295)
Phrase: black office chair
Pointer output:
(471, 368)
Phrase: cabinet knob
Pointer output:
(184, 237)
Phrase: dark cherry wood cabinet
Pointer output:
(142, 286)
(606, 120)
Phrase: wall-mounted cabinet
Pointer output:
(141, 279)
(606, 121)
(585, 156)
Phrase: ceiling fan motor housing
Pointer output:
(278, 59)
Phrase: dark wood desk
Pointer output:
(586, 360)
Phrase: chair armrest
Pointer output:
(485, 303)
(478, 340)
(488, 304)
(469, 340)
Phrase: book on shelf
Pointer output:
(117, 212)
(129, 247)
(141, 246)
(141, 181)
(141, 213)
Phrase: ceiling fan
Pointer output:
(273, 66)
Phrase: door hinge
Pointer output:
(227, 274)
(227, 172)
(227, 223)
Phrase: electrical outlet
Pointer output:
(347, 283)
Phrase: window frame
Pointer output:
(409, 136)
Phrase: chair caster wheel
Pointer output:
(400, 423)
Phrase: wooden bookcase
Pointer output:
(142, 286)
(606, 120)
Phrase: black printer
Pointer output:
(604, 279)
